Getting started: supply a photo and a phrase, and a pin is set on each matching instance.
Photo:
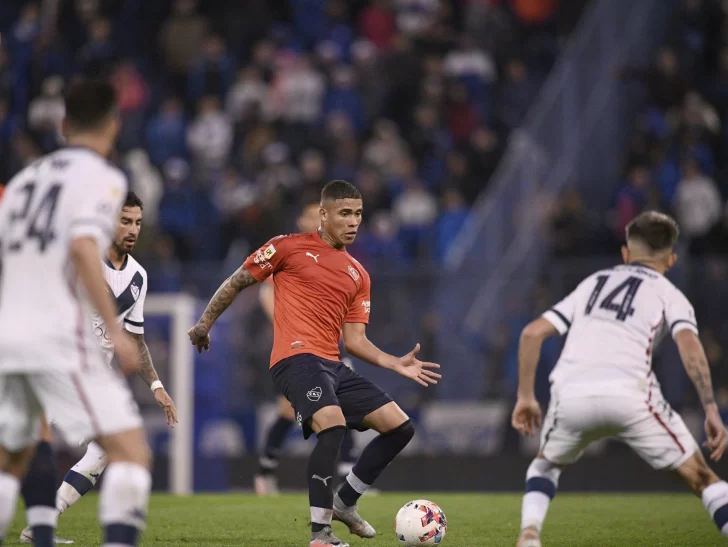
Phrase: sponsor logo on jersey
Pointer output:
(367, 305)
(261, 261)
(269, 252)
(353, 273)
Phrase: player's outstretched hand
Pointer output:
(419, 371)
(165, 401)
(200, 338)
(716, 433)
(126, 351)
(526, 416)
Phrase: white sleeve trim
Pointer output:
(558, 320)
(683, 324)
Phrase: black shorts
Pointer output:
(311, 383)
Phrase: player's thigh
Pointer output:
(126, 446)
(310, 385)
(88, 404)
(658, 435)
(385, 418)
(285, 409)
(20, 413)
(365, 404)
(569, 427)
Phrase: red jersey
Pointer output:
(317, 290)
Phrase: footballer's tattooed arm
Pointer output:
(696, 365)
(146, 369)
(147, 373)
(221, 300)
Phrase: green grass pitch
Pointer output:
(473, 520)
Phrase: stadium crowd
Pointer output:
(236, 111)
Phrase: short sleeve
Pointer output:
(562, 314)
(98, 208)
(679, 313)
(134, 321)
(268, 259)
(360, 306)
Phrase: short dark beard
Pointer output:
(118, 250)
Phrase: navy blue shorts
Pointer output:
(311, 383)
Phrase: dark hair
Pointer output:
(132, 200)
(339, 189)
(658, 231)
(89, 103)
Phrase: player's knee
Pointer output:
(543, 476)
(129, 446)
(286, 410)
(405, 432)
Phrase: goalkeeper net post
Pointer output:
(180, 308)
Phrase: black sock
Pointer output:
(276, 437)
(39, 492)
(321, 466)
(375, 457)
(347, 451)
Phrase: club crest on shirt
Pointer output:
(269, 252)
(353, 273)
(134, 291)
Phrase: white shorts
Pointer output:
(649, 426)
(82, 406)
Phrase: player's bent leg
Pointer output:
(82, 477)
(542, 481)
(265, 481)
(705, 484)
(395, 432)
(127, 484)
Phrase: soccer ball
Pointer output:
(419, 523)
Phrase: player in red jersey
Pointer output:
(266, 481)
(321, 292)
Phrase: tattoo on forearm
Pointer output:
(146, 368)
(225, 295)
(698, 369)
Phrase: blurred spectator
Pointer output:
(146, 183)
(177, 212)
(182, 37)
(23, 34)
(415, 209)
(631, 199)
(515, 95)
(377, 241)
(46, 112)
(698, 202)
(573, 228)
(385, 147)
(248, 97)
(165, 133)
(212, 73)
(666, 82)
(7, 78)
(313, 171)
(133, 98)
(343, 97)
(297, 91)
(210, 135)
(452, 217)
(378, 24)
(414, 17)
(96, 57)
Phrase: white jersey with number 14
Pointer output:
(615, 318)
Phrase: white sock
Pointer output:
(715, 500)
(319, 515)
(41, 516)
(542, 479)
(9, 489)
(123, 503)
(74, 486)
